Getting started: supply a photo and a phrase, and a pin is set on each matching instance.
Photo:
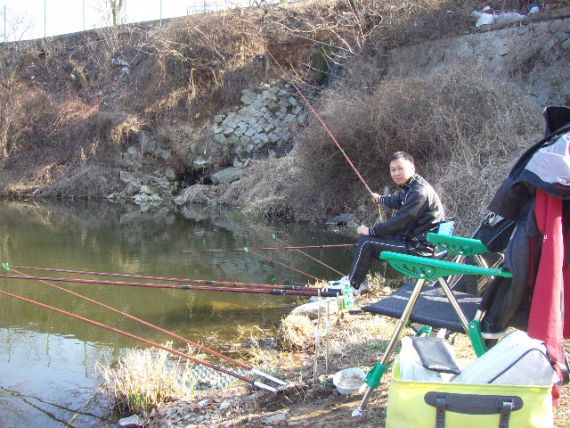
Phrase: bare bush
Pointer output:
(464, 130)
(127, 131)
(25, 113)
(211, 58)
(276, 189)
(296, 332)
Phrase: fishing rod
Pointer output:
(300, 247)
(168, 279)
(325, 292)
(308, 255)
(322, 122)
(164, 331)
(213, 366)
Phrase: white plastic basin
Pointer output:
(349, 381)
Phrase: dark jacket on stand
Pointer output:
(536, 195)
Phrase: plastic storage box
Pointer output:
(447, 404)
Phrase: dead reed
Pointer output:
(140, 380)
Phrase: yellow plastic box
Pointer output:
(466, 405)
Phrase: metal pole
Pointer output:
(393, 340)
(204, 6)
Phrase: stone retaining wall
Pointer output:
(535, 55)
(263, 126)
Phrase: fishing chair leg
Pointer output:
(480, 261)
(454, 279)
(484, 280)
(375, 375)
(473, 328)
(449, 294)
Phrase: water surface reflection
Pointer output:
(47, 359)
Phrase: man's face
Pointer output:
(401, 171)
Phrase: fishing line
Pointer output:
(269, 259)
(309, 256)
(299, 247)
(77, 412)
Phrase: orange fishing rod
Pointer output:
(242, 284)
(143, 340)
(307, 291)
(322, 122)
(164, 331)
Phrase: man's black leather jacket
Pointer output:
(419, 209)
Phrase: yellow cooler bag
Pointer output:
(414, 404)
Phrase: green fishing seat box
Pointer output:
(455, 405)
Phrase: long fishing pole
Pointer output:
(322, 122)
(168, 279)
(276, 292)
(284, 248)
(308, 255)
(143, 340)
(164, 331)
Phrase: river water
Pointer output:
(47, 360)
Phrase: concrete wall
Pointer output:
(534, 55)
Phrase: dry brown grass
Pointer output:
(296, 332)
(464, 129)
(127, 131)
(25, 114)
(212, 55)
(71, 96)
(142, 379)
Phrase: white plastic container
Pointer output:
(349, 381)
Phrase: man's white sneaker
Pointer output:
(363, 289)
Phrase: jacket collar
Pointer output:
(410, 182)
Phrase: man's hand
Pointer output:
(376, 197)
(362, 230)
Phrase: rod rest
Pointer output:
(431, 269)
(458, 245)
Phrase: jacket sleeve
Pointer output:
(404, 218)
(393, 201)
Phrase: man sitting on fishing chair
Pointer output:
(418, 211)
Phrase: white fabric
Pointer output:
(515, 360)
(552, 163)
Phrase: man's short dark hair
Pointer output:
(402, 155)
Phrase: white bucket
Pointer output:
(349, 381)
